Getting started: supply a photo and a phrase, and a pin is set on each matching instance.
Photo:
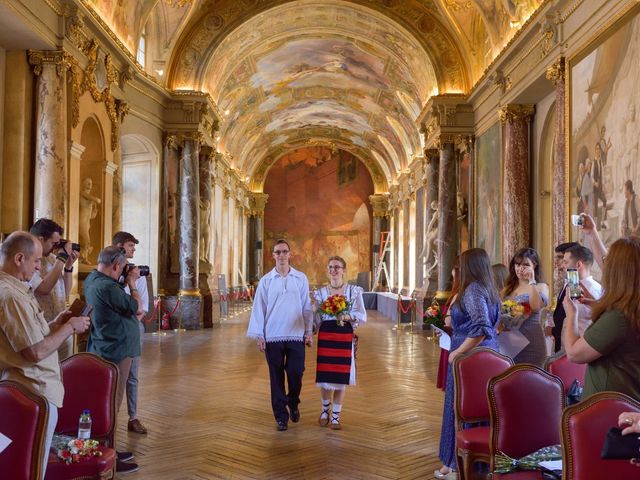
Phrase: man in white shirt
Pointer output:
(128, 242)
(581, 258)
(52, 283)
(282, 323)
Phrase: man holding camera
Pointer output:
(52, 284)
(128, 242)
(115, 335)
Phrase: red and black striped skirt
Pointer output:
(334, 353)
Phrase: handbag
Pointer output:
(574, 395)
(620, 447)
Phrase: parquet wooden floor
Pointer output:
(204, 396)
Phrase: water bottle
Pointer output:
(84, 425)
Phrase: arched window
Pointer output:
(140, 56)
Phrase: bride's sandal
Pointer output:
(323, 419)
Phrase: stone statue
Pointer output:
(431, 247)
(88, 211)
(205, 230)
(461, 206)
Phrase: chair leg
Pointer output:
(463, 469)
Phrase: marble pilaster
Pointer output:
(556, 73)
(380, 209)
(257, 204)
(205, 281)
(50, 182)
(447, 243)
(516, 228)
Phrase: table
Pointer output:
(387, 304)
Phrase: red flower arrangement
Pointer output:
(336, 306)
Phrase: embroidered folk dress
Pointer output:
(336, 366)
(473, 316)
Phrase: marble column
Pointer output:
(50, 183)
(556, 73)
(110, 170)
(516, 183)
(190, 297)
(432, 174)
(447, 243)
(257, 204)
(73, 232)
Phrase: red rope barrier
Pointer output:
(401, 307)
(166, 324)
(155, 309)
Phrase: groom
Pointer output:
(282, 323)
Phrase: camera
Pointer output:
(74, 246)
(577, 220)
(144, 270)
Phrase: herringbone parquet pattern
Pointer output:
(204, 397)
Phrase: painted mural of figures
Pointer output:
(630, 224)
(88, 211)
(585, 189)
(605, 144)
(629, 150)
(597, 177)
(205, 230)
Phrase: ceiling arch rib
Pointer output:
(336, 68)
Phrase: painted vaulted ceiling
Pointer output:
(290, 73)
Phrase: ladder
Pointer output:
(380, 266)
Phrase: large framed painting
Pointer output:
(604, 129)
(488, 193)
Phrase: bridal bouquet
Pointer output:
(75, 450)
(513, 313)
(336, 306)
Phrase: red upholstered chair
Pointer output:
(525, 404)
(23, 418)
(90, 383)
(471, 374)
(560, 366)
(584, 427)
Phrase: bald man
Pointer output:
(28, 344)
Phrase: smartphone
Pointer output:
(573, 283)
(576, 220)
(86, 311)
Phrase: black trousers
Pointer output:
(285, 357)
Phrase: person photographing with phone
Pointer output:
(611, 345)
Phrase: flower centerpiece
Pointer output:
(434, 315)
(513, 313)
(75, 450)
(336, 306)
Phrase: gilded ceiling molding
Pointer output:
(501, 81)
(97, 78)
(380, 205)
(556, 71)
(513, 112)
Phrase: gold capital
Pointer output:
(556, 71)
(512, 112)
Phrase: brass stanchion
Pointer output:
(158, 312)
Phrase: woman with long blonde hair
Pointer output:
(611, 345)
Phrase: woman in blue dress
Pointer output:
(475, 313)
(526, 285)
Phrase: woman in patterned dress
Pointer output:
(526, 285)
(336, 366)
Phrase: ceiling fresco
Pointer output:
(354, 73)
